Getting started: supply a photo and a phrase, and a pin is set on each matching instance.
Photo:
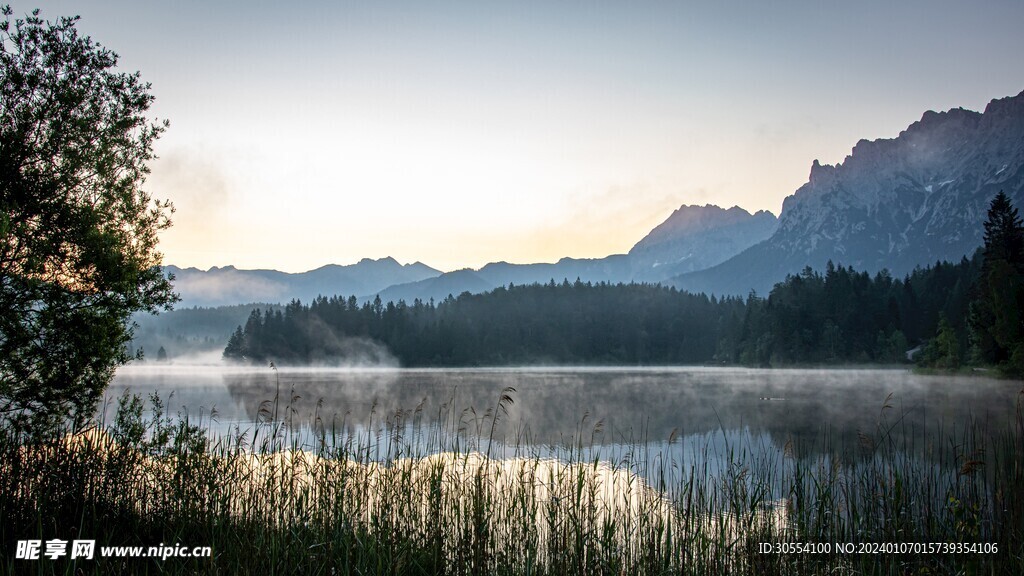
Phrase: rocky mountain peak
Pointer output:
(821, 172)
(1003, 107)
(893, 203)
(386, 261)
(1005, 114)
(694, 219)
(696, 237)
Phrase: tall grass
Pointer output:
(411, 493)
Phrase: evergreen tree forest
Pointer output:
(839, 317)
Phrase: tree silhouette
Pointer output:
(78, 234)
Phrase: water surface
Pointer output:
(561, 406)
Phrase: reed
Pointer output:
(412, 494)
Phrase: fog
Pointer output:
(228, 286)
(804, 409)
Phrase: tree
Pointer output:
(995, 320)
(78, 233)
(1004, 235)
(235, 348)
(943, 351)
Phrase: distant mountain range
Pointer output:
(692, 238)
(229, 285)
(610, 269)
(892, 203)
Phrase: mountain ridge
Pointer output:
(892, 204)
(712, 232)
(227, 285)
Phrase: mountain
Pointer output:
(613, 268)
(437, 288)
(892, 203)
(229, 285)
(695, 238)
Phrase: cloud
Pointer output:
(192, 180)
(227, 287)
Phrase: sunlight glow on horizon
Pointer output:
(457, 135)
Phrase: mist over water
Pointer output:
(558, 405)
(654, 421)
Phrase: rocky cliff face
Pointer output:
(892, 203)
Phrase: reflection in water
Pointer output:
(819, 456)
(801, 412)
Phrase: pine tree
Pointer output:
(236, 345)
(995, 320)
(1004, 235)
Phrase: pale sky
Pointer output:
(461, 133)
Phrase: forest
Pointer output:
(841, 316)
(944, 315)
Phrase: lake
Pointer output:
(686, 414)
(673, 468)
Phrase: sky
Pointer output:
(460, 133)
